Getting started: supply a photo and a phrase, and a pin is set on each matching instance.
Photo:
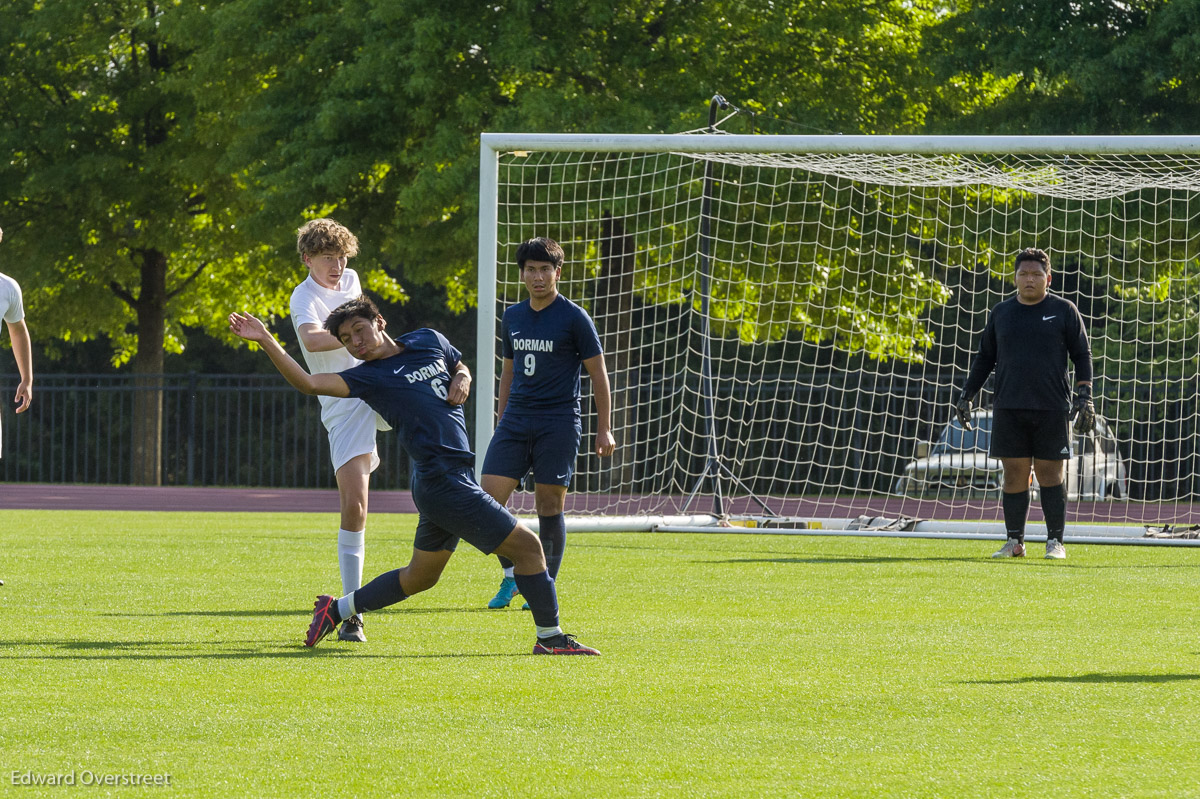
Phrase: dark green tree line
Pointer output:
(162, 153)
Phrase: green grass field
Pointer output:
(143, 643)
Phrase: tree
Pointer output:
(1105, 67)
(382, 103)
(120, 216)
(164, 152)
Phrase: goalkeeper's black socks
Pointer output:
(384, 590)
(1016, 509)
(1054, 508)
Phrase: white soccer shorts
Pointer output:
(353, 433)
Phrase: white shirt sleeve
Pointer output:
(11, 307)
(303, 307)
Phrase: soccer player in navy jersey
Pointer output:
(546, 340)
(418, 383)
(1027, 341)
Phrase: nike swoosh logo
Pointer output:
(1047, 318)
(561, 476)
(398, 371)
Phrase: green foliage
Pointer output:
(732, 666)
(117, 211)
(1072, 67)
(378, 107)
(164, 153)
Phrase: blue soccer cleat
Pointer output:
(503, 597)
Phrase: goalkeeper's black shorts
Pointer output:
(1044, 435)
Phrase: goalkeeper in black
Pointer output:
(1027, 341)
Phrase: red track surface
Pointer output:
(44, 496)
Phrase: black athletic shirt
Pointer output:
(1028, 346)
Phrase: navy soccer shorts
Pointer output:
(453, 506)
(549, 444)
(1044, 435)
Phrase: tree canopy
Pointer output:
(163, 153)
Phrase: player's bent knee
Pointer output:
(524, 549)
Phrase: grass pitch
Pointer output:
(170, 644)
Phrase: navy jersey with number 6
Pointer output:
(409, 391)
(547, 348)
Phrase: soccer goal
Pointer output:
(786, 319)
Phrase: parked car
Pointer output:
(957, 465)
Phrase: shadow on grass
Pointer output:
(1091, 679)
(296, 612)
(225, 650)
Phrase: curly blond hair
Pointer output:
(320, 236)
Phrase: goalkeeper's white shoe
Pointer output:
(1055, 549)
(1013, 548)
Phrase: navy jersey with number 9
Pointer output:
(547, 348)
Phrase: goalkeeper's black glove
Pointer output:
(1083, 412)
(962, 409)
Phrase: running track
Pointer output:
(46, 496)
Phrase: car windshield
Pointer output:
(956, 439)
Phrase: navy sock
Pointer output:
(384, 590)
(505, 563)
(1016, 508)
(552, 530)
(538, 590)
(1054, 508)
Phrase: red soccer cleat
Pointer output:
(324, 619)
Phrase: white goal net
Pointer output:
(786, 320)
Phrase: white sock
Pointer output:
(508, 572)
(548, 632)
(351, 550)
(346, 606)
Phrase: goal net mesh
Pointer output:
(796, 352)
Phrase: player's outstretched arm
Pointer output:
(605, 443)
(18, 333)
(252, 329)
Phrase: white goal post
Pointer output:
(786, 319)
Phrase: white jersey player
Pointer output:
(12, 311)
(325, 247)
